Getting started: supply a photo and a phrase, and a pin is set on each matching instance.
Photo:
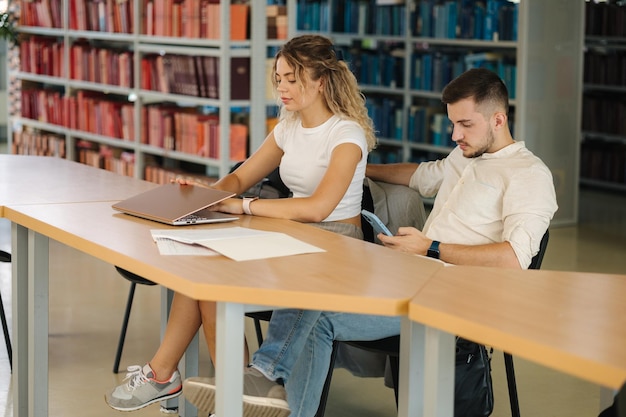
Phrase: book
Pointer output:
(240, 78)
(238, 141)
(239, 21)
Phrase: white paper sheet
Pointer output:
(238, 243)
(172, 247)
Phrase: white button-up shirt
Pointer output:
(503, 196)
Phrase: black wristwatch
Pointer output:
(433, 251)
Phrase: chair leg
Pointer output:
(331, 367)
(510, 379)
(259, 333)
(394, 363)
(120, 343)
(5, 328)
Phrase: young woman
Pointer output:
(320, 145)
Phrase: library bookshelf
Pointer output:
(603, 147)
(146, 88)
(404, 51)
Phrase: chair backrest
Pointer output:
(5, 256)
(535, 263)
(271, 186)
(395, 205)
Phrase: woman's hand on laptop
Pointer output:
(230, 206)
(188, 181)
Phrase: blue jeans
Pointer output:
(298, 347)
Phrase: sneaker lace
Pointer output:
(135, 376)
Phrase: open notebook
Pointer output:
(177, 205)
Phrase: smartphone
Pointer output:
(377, 224)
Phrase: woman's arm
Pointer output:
(253, 169)
(317, 207)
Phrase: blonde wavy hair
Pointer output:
(314, 56)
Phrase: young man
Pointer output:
(494, 201)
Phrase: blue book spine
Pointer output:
(427, 72)
(399, 20)
(426, 16)
(375, 70)
(323, 17)
(479, 22)
(410, 126)
(440, 20)
(437, 72)
(441, 130)
(513, 82)
(416, 123)
(347, 16)
(365, 69)
(451, 13)
(373, 113)
(416, 76)
(515, 19)
(458, 67)
(466, 20)
(435, 130)
(354, 18)
(384, 109)
(387, 69)
(448, 132)
(399, 123)
(314, 15)
(491, 20)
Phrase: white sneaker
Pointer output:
(261, 396)
(142, 389)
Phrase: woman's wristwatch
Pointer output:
(246, 204)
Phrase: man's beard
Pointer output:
(490, 139)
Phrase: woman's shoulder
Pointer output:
(345, 125)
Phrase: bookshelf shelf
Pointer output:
(444, 150)
(102, 36)
(139, 111)
(102, 140)
(103, 88)
(606, 88)
(607, 185)
(34, 30)
(21, 121)
(604, 136)
(181, 156)
(464, 43)
(45, 79)
(539, 58)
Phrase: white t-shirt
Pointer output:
(307, 156)
(506, 196)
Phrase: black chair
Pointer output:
(6, 257)
(390, 346)
(134, 280)
(508, 358)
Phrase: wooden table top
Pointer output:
(351, 276)
(43, 179)
(569, 321)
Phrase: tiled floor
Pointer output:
(87, 299)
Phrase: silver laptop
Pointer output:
(177, 205)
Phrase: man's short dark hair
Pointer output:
(480, 84)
